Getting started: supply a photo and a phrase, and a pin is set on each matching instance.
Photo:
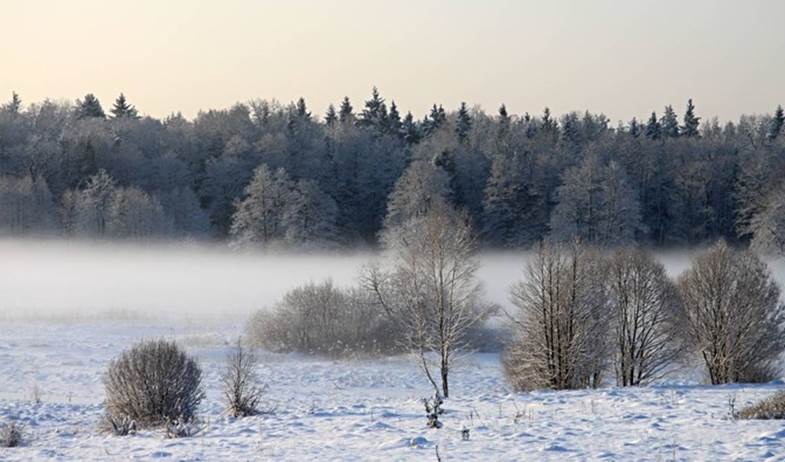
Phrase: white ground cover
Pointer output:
(362, 409)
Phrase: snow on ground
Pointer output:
(364, 409)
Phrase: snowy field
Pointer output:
(68, 310)
(362, 409)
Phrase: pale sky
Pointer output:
(623, 58)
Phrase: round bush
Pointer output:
(152, 383)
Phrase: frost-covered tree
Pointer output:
(92, 205)
(596, 204)
(134, 214)
(732, 315)
(430, 287)
(644, 305)
(560, 324)
(310, 216)
(767, 224)
(26, 206)
(188, 219)
(422, 186)
(260, 216)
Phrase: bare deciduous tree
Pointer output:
(643, 304)
(239, 381)
(732, 315)
(561, 325)
(430, 288)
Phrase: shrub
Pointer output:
(772, 407)
(11, 435)
(240, 383)
(153, 383)
(324, 319)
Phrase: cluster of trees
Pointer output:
(263, 173)
(581, 313)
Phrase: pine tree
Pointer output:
(775, 126)
(691, 122)
(653, 127)
(345, 112)
(464, 123)
(670, 124)
(90, 107)
(330, 118)
(122, 109)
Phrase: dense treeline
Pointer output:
(265, 174)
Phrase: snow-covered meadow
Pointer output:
(69, 309)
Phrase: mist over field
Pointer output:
(62, 279)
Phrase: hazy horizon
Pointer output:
(186, 56)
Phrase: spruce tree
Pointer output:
(90, 107)
(411, 132)
(504, 123)
(345, 113)
(548, 124)
(121, 109)
(691, 122)
(635, 127)
(375, 112)
(394, 120)
(653, 127)
(15, 105)
(775, 126)
(330, 118)
(301, 110)
(670, 123)
(464, 123)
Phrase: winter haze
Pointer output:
(446, 230)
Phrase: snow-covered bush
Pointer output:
(152, 383)
(239, 382)
(772, 407)
(732, 315)
(324, 319)
(11, 435)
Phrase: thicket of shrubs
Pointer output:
(325, 319)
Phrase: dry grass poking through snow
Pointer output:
(772, 407)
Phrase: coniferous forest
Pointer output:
(264, 174)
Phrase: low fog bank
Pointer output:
(67, 279)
